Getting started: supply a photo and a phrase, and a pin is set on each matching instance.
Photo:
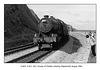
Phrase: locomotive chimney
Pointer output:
(46, 16)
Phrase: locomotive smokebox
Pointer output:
(45, 25)
(50, 25)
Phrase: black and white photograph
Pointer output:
(50, 33)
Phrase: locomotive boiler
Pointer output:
(50, 32)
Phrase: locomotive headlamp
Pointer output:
(51, 44)
(52, 35)
(41, 39)
(54, 39)
(35, 35)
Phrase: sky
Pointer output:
(81, 17)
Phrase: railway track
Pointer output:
(24, 54)
(31, 58)
(18, 48)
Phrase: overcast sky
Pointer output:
(79, 16)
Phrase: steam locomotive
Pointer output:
(50, 32)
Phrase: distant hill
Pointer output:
(86, 30)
